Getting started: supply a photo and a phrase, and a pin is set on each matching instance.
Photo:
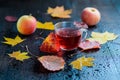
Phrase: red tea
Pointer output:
(68, 38)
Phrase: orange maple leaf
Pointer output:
(50, 44)
(59, 12)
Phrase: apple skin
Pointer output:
(26, 24)
(91, 16)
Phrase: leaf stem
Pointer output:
(30, 52)
(10, 61)
(40, 35)
(41, 32)
(21, 45)
(40, 38)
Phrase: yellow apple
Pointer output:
(26, 24)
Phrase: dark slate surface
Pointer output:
(107, 59)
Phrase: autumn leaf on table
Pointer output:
(52, 63)
(102, 37)
(81, 62)
(21, 56)
(88, 45)
(10, 18)
(46, 25)
(100, 40)
(110, 36)
(50, 44)
(59, 12)
(13, 42)
(80, 24)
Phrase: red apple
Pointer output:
(26, 24)
(91, 16)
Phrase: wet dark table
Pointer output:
(107, 59)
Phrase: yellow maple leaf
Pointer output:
(59, 12)
(100, 40)
(19, 56)
(46, 25)
(110, 36)
(14, 41)
(102, 37)
(97, 35)
(81, 62)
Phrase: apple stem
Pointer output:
(30, 14)
(93, 10)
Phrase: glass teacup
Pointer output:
(69, 35)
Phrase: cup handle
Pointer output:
(84, 31)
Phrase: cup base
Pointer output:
(69, 52)
(67, 49)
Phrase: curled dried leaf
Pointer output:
(80, 24)
(10, 18)
(88, 45)
(52, 63)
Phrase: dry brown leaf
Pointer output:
(88, 45)
(10, 18)
(52, 63)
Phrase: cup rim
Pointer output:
(71, 22)
(63, 22)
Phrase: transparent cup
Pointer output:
(69, 35)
